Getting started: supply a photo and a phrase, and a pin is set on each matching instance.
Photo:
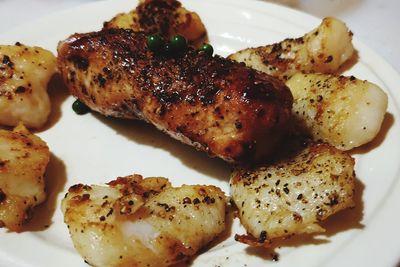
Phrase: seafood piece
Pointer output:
(164, 17)
(23, 161)
(342, 111)
(292, 196)
(216, 105)
(142, 222)
(24, 74)
(322, 50)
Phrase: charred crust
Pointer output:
(186, 200)
(133, 185)
(178, 249)
(237, 177)
(20, 90)
(202, 191)
(78, 199)
(180, 256)
(101, 80)
(79, 62)
(320, 215)
(7, 61)
(108, 73)
(166, 207)
(208, 200)
(263, 237)
(122, 181)
(157, 16)
(333, 199)
(78, 188)
(252, 241)
(3, 164)
(207, 94)
(328, 59)
(3, 196)
(238, 124)
(297, 217)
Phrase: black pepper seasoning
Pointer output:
(263, 237)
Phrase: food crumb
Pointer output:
(275, 257)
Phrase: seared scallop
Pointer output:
(23, 161)
(343, 111)
(164, 17)
(322, 50)
(142, 222)
(24, 74)
(293, 195)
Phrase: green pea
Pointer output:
(178, 43)
(79, 107)
(155, 42)
(208, 49)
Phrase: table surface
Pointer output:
(374, 22)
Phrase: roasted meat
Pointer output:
(215, 104)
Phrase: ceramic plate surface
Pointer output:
(93, 149)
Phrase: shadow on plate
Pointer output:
(58, 93)
(55, 178)
(146, 134)
(387, 123)
(348, 64)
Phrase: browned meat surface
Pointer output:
(217, 105)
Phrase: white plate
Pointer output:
(94, 149)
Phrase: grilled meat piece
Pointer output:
(215, 104)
